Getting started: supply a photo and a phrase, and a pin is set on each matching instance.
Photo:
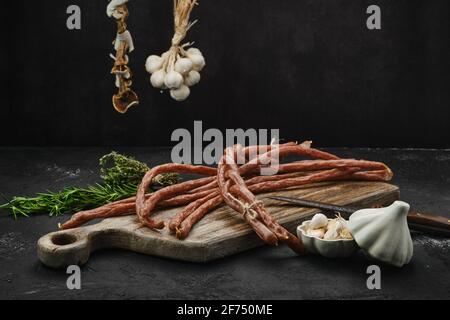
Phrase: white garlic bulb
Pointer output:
(192, 78)
(198, 61)
(318, 221)
(194, 51)
(181, 93)
(177, 70)
(183, 65)
(173, 80)
(383, 233)
(153, 57)
(157, 79)
(153, 63)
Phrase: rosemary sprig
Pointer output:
(121, 176)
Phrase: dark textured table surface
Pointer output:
(263, 273)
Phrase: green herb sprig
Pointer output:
(121, 176)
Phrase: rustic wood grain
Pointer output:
(219, 234)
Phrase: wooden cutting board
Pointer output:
(219, 234)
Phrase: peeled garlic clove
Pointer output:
(183, 65)
(318, 221)
(331, 224)
(173, 80)
(198, 61)
(181, 93)
(192, 78)
(334, 228)
(317, 233)
(157, 79)
(331, 234)
(340, 225)
(194, 51)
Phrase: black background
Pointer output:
(308, 67)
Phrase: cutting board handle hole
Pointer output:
(63, 239)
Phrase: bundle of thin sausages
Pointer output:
(235, 182)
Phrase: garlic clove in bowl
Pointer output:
(383, 233)
(318, 221)
(338, 248)
(316, 233)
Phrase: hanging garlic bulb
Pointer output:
(173, 80)
(153, 63)
(180, 65)
(198, 62)
(181, 93)
(194, 51)
(157, 79)
(192, 78)
(183, 65)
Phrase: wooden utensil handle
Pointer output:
(429, 223)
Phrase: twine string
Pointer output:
(247, 208)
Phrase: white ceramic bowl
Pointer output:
(341, 248)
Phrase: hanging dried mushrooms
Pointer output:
(123, 44)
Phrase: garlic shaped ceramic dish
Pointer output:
(339, 248)
(383, 233)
